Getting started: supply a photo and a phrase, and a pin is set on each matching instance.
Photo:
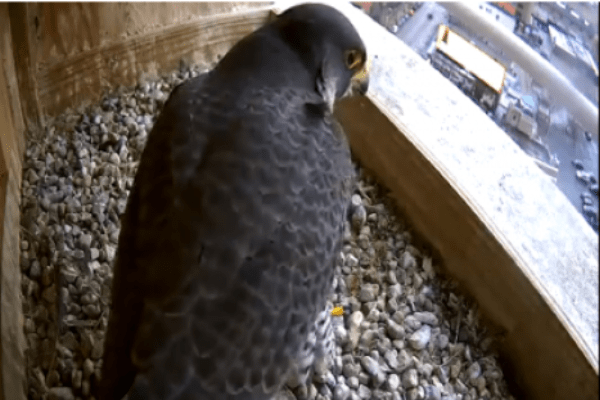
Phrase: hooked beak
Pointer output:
(360, 80)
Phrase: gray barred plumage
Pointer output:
(233, 227)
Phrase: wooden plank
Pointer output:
(67, 70)
(12, 340)
(536, 342)
(24, 60)
(502, 228)
(65, 29)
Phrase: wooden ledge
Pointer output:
(65, 65)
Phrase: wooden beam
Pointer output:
(84, 76)
(24, 59)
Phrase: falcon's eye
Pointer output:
(353, 59)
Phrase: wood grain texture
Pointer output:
(64, 30)
(85, 75)
(23, 55)
(70, 53)
(12, 340)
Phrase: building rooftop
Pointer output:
(471, 58)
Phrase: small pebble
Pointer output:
(474, 371)
(364, 392)
(454, 370)
(353, 382)
(410, 378)
(369, 292)
(341, 392)
(407, 261)
(370, 365)
(442, 341)
(88, 368)
(355, 321)
(393, 382)
(85, 241)
(94, 253)
(394, 330)
(350, 370)
(426, 317)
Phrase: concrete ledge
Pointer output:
(548, 169)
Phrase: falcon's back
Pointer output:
(231, 234)
(228, 246)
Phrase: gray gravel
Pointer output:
(406, 332)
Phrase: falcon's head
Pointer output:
(329, 46)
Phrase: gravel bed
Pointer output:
(406, 333)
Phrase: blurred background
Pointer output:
(565, 34)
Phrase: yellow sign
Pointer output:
(471, 58)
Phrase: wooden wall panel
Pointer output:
(64, 30)
(24, 61)
(84, 77)
(70, 53)
(12, 341)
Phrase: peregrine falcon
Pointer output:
(233, 226)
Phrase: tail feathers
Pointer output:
(317, 357)
(325, 349)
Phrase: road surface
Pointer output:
(566, 149)
(417, 32)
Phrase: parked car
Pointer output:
(588, 136)
(586, 177)
(594, 189)
(577, 164)
(586, 198)
(582, 176)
